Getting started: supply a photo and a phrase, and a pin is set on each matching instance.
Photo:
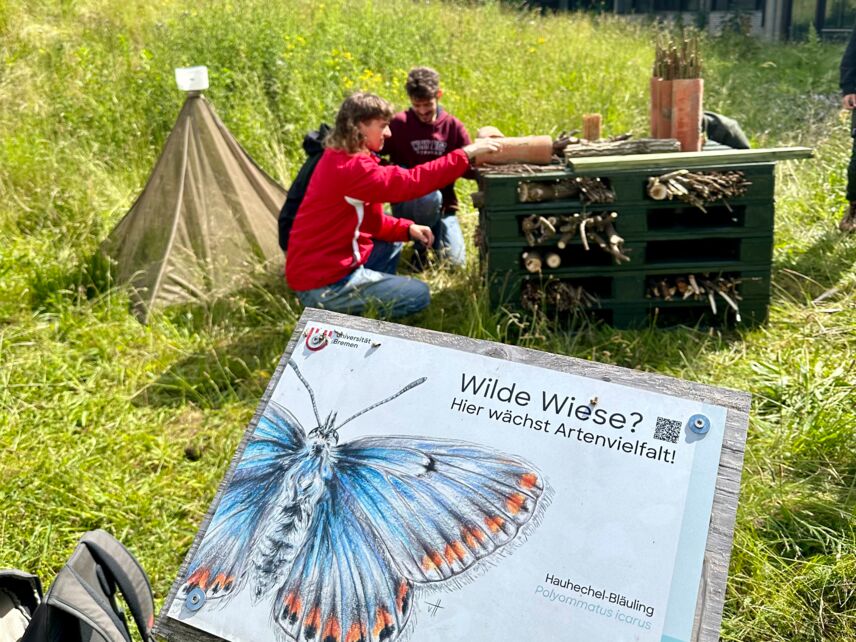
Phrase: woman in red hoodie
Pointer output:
(343, 250)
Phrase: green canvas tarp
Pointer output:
(206, 219)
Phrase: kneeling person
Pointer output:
(343, 250)
(421, 134)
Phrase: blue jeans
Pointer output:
(372, 284)
(448, 238)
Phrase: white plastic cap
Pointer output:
(191, 78)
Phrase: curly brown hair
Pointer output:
(423, 83)
(360, 107)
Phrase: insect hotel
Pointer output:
(633, 231)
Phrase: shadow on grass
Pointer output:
(818, 269)
(809, 522)
(53, 285)
(246, 332)
(223, 373)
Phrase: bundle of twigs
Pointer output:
(622, 147)
(675, 60)
(589, 189)
(563, 296)
(596, 228)
(690, 286)
(698, 188)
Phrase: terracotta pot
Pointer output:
(654, 108)
(664, 100)
(687, 95)
(536, 150)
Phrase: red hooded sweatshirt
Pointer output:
(342, 211)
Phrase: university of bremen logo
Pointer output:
(317, 338)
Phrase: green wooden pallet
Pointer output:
(663, 239)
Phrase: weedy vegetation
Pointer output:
(108, 423)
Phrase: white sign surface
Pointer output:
(489, 500)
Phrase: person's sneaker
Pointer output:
(848, 223)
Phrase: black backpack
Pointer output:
(81, 603)
(313, 145)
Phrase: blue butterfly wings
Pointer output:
(275, 446)
(345, 532)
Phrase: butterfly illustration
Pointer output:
(344, 532)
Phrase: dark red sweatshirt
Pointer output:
(342, 211)
(414, 142)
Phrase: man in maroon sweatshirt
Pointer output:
(421, 134)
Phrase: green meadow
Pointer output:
(108, 423)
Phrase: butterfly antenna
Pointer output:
(409, 386)
(308, 388)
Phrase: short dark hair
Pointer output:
(360, 107)
(422, 83)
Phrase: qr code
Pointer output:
(667, 430)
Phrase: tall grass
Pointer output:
(104, 422)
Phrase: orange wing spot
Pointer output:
(473, 536)
(383, 621)
(292, 603)
(528, 480)
(494, 523)
(222, 581)
(357, 633)
(401, 596)
(432, 561)
(332, 631)
(454, 551)
(200, 578)
(313, 619)
(515, 503)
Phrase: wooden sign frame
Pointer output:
(711, 592)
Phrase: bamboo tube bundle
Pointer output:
(531, 296)
(563, 296)
(677, 90)
(678, 60)
(698, 188)
(567, 297)
(697, 288)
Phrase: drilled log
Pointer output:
(532, 262)
(623, 147)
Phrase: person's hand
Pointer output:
(483, 146)
(849, 101)
(422, 233)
